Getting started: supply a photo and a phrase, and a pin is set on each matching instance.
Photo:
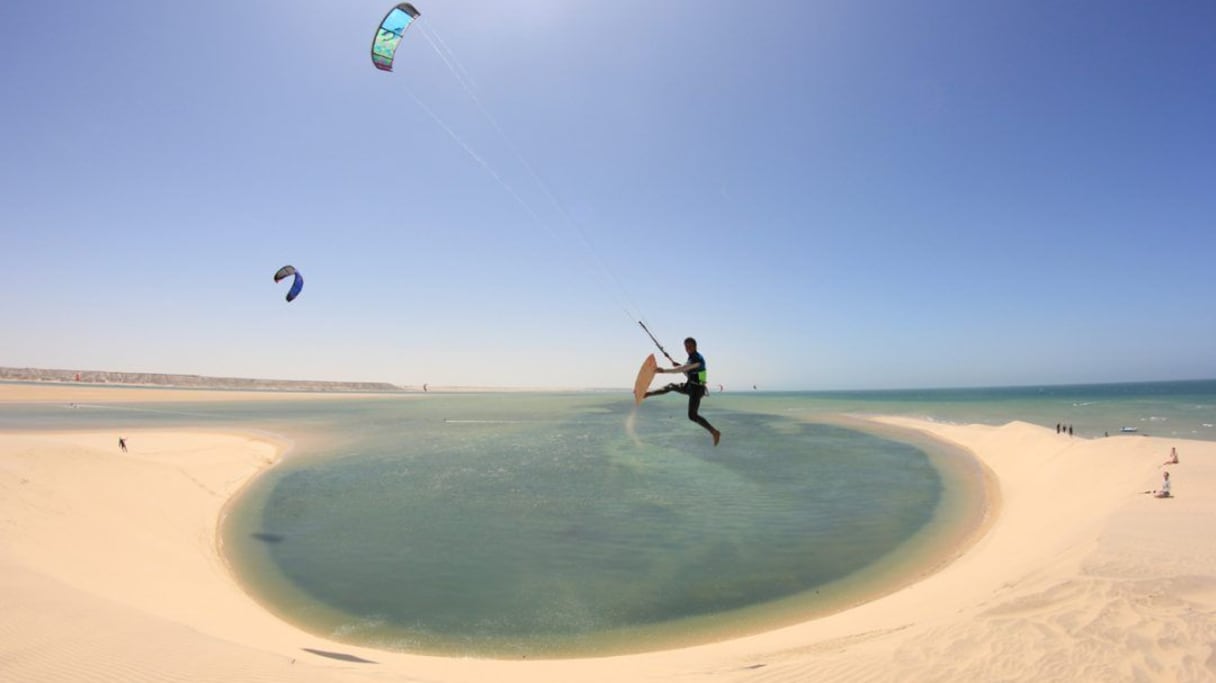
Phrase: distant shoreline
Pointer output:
(74, 394)
(152, 380)
(175, 381)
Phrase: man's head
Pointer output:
(690, 345)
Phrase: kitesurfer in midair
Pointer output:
(694, 387)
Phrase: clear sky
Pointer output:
(827, 194)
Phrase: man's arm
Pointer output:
(687, 367)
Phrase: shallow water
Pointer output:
(537, 524)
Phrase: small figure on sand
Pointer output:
(695, 386)
(1173, 460)
(1164, 491)
(122, 443)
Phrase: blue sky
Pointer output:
(826, 194)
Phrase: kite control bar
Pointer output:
(656, 343)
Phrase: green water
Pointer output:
(560, 525)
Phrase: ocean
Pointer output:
(567, 524)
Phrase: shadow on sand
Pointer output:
(338, 655)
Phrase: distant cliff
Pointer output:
(149, 379)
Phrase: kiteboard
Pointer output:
(645, 375)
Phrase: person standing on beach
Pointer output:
(122, 443)
(694, 387)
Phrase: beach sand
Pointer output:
(110, 570)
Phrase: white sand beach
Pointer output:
(111, 570)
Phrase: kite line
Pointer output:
(463, 77)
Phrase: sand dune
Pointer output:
(110, 571)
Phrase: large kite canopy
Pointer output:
(388, 36)
(296, 285)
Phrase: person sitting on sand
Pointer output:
(1164, 491)
(1173, 458)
